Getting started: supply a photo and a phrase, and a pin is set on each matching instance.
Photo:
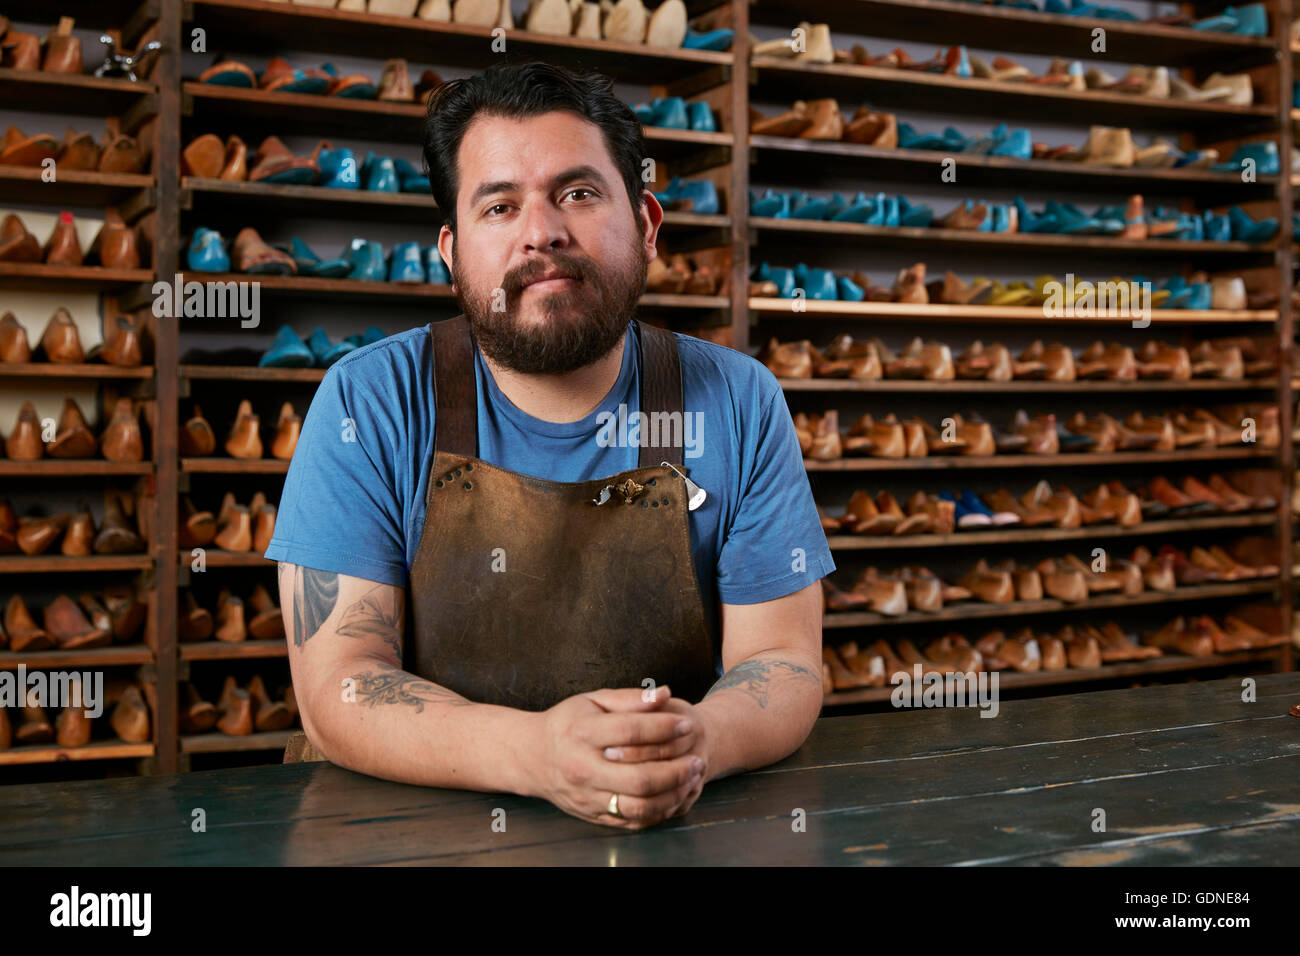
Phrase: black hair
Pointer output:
(518, 90)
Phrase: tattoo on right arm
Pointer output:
(753, 677)
(389, 685)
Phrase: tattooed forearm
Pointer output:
(389, 685)
(377, 614)
(314, 595)
(753, 677)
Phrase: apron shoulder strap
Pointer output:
(455, 400)
(661, 391)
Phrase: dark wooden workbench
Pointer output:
(1187, 774)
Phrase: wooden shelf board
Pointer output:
(71, 187)
(963, 387)
(938, 312)
(356, 289)
(79, 370)
(374, 119)
(245, 373)
(96, 13)
(222, 198)
(221, 651)
(782, 80)
(37, 276)
(974, 610)
(110, 656)
(902, 236)
(74, 466)
(1007, 28)
(302, 27)
(96, 750)
(1170, 663)
(235, 466)
(951, 462)
(215, 742)
(859, 542)
(663, 300)
(217, 558)
(791, 158)
(79, 93)
(311, 286)
(48, 563)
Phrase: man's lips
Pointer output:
(554, 282)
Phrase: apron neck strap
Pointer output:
(456, 399)
(661, 391)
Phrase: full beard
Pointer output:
(577, 326)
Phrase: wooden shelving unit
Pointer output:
(796, 164)
(1012, 680)
(975, 610)
(50, 102)
(963, 462)
(1001, 314)
(1016, 536)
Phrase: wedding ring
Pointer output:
(612, 809)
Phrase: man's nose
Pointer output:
(542, 226)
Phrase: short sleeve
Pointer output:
(775, 545)
(338, 511)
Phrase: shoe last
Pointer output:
(325, 353)
(207, 252)
(410, 178)
(287, 351)
(338, 169)
(701, 118)
(405, 264)
(367, 260)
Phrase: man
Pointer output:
(575, 584)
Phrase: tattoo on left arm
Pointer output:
(754, 676)
(314, 595)
(375, 615)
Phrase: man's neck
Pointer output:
(565, 397)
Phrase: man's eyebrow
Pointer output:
(504, 185)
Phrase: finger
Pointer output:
(645, 779)
(646, 811)
(665, 751)
(689, 802)
(623, 730)
(629, 698)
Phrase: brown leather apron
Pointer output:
(524, 591)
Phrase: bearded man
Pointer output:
(541, 547)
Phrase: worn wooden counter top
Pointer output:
(1185, 774)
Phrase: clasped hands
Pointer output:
(652, 751)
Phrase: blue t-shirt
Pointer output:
(354, 497)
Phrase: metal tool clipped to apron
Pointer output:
(526, 591)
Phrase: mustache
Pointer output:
(566, 266)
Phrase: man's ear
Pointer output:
(446, 239)
(651, 218)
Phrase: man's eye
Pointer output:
(573, 192)
(497, 206)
